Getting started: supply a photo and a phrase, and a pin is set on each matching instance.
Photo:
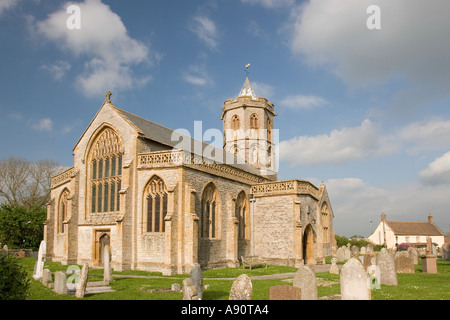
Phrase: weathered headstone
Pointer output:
(354, 281)
(386, 264)
(82, 281)
(46, 277)
(347, 254)
(363, 250)
(404, 263)
(284, 292)
(189, 290)
(107, 271)
(445, 251)
(334, 268)
(175, 287)
(305, 279)
(60, 286)
(241, 289)
(197, 279)
(340, 254)
(39, 266)
(429, 264)
(354, 251)
(368, 259)
(414, 253)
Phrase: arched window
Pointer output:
(156, 205)
(105, 172)
(254, 121)
(63, 210)
(235, 123)
(325, 221)
(242, 215)
(208, 218)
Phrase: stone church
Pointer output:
(162, 207)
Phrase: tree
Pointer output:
(14, 280)
(26, 184)
(21, 227)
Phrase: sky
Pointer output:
(362, 95)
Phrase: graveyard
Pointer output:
(217, 283)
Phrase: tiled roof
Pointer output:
(414, 228)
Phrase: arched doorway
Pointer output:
(104, 241)
(308, 246)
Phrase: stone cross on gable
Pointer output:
(108, 96)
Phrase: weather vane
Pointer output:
(246, 69)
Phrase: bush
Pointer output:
(14, 281)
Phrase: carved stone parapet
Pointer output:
(63, 177)
(285, 187)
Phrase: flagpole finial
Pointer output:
(246, 69)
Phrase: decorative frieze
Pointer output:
(285, 187)
(63, 177)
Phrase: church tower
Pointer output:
(248, 130)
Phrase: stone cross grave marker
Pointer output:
(334, 268)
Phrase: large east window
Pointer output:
(105, 173)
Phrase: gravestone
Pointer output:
(354, 251)
(333, 268)
(368, 259)
(241, 289)
(39, 266)
(386, 264)
(404, 263)
(446, 251)
(196, 276)
(60, 286)
(189, 290)
(354, 281)
(305, 279)
(284, 292)
(347, 254)
(46, 277)
(340, 254)
(175, 287)
(414, 253)
(363, 250)
(429, 264)
(107, 271)
(374, 275)
(82, 282)
(429, 246)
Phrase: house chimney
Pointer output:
(430, 218)
(383, 217)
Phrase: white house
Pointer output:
(396, 232)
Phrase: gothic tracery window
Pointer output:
(325, 221)
(63, 210)
(235, 123)
(254, 121)
(106, 172)
(208, 216)
(156, 205)
(242, 214)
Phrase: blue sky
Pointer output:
(366, 111)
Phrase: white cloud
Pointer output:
(270, 4)
(104, 40)
(434, 134)
(263, 89)
(356, 203)
(412, 45)
(45, 124)
(197, 75)
(7, 4)
(438, 172)
(302, 102)
(340, 146)
(206, 30)
(58, 69)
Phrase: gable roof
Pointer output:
(414, 228)
(153, 131)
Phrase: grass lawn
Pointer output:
(416, 286)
